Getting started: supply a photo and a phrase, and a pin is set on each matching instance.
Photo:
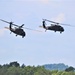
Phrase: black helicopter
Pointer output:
(18, 30)
(55, 27)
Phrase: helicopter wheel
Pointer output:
(60, 32)
(55, 31)
(10, 32)
(16, 35)
(45, 30)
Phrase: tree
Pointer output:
(14, 71)
(70, 69)
(22, 66)
(14, 64)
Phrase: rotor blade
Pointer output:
(5, 21)
(59, 23)
(22, 25)
(33, 29)
(66, 24)
(54, 22)
(18, 25)
(9, 22)
(15, 25)
(50, 21)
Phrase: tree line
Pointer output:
(14, 68)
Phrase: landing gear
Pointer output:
(60, 32)
(10, 32)
(45, 30)
(55, 30)
(22, 36)
(16, 35)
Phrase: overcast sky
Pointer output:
(37, 48)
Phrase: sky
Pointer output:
(37, 48)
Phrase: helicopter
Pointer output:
(18, 30)
(54, 27)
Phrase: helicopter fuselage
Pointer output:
(53, 27)
(56, 28)
(17, 31)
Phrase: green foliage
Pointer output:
(69, 69)
(14, 64)
(14, 68)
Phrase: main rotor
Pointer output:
(57, 23)
(11, 23)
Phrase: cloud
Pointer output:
(59, 18)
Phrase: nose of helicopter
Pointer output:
(63, 29)
(23, 34)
